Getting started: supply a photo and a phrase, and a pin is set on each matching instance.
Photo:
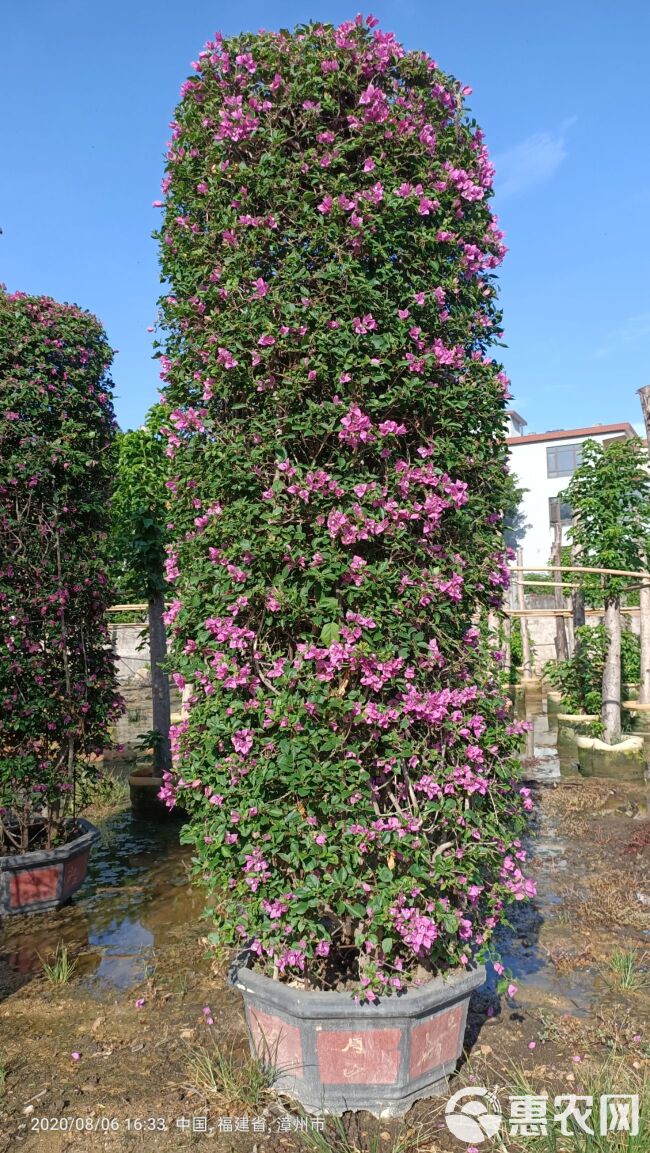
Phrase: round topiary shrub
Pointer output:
(57, 676)
(336, 428)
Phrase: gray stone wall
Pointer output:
(134, 682)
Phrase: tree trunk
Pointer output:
(644, 613)
(577, 601)
(506, 645)
(527, 668)
(159, 684)
(644, 397)
(561, 645)
(611, 708)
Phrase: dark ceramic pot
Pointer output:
(332, 1054)
(46, 878)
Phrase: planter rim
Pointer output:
(586, 717)
(636, 706)
(628, 744)
(17, 861)
(310, 1004)
(145, 781)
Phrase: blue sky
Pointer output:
(87, 91)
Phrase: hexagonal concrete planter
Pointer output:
(569, 727)
(46, 878)
(553, 707)
(332, 1054)
(624, 761)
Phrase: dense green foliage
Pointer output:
(57, 683)
(610, 496)
(138, 511)
(336, 431)
(580, 679)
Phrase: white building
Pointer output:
(543, 463)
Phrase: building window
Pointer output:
(558, 510)
(563, 460)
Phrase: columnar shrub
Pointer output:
(336, 429)
(57, 685)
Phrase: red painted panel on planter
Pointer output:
(74, 872)
(276, 1043)
(30, 885)
(369, 1057)
(435, 1041)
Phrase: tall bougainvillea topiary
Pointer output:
(57, 682)
(336, 427)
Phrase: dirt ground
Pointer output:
(122, 1056)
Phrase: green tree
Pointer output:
(138, 541)
(610, 496)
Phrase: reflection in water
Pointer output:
(136, 895)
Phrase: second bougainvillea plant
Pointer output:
(336, 433)
(57, 669)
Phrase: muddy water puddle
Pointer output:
(588, 853)
(136, 899)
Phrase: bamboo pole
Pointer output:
(579, 568)
(531, 612)
(127, 608)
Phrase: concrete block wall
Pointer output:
(542, 634)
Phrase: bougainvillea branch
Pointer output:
(338, 472)
(57, 676)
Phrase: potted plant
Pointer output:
(57, 677)
(338, 474)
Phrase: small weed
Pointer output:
(626, 972)
(102, 792)
(3, 1077)
(338, 1136)
(61, 968)
(238, 1080)
(182, 983)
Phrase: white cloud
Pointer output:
(531, 162)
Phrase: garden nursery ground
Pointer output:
(145, 1026)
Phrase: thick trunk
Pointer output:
(506, 644)
(578, 602)
(644, 612)
(527, 665)
(611, 709)
(561, 645)
(159, 683)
